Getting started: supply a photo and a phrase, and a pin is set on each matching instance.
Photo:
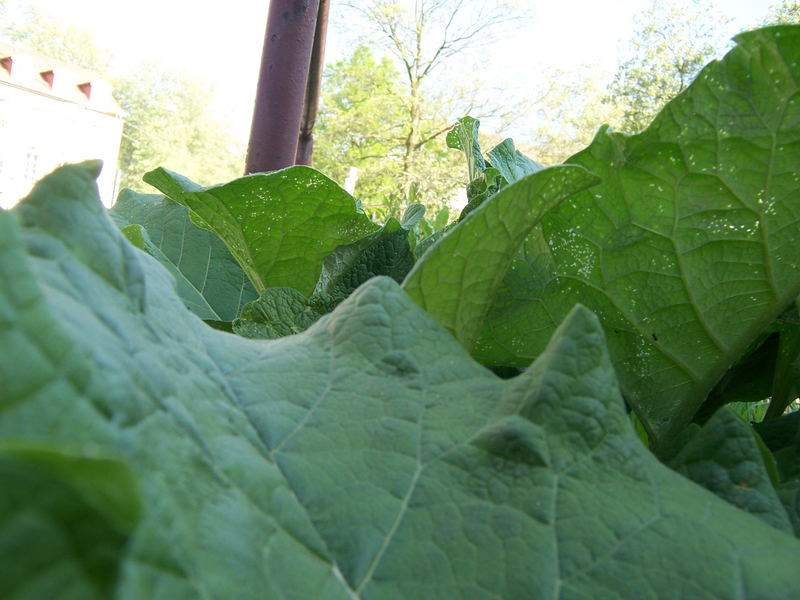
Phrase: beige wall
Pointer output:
(38, 133)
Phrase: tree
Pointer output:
(167, 124)
(569, 112)
(674, 39)
(422, 38)
(167, 120)
(359, 123)
(20, 23)
(787, 12)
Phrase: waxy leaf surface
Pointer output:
(727, 458)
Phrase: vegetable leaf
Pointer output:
(64, 523)
(512, 164)
(726, 458)
(276, 313)
(207, 277)
(458, 277)
(412, 215)
(285, 311)
(366, 458)
(689, 248)
(279, 226)
(385, 252)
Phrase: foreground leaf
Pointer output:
(208, 278)
(64, 523)
(690, 247)
(279, 226)
(726, 457)
(369, 457)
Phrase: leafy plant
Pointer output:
(361, 451)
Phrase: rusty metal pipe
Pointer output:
(282, 83)
(305, 148)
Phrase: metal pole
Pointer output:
(305, 149)
(282, 83)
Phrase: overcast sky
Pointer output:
(221, 41)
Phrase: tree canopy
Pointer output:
(395, 137)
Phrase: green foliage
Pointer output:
(689, 227)
(369, 457)
(726, 457)
(65, 520)
(673, 41)
(360, 125)
(208, 279)
(278, 311)
(784, 13)
(166, 113)
(480, 251)
(280, 226)
(364, 453)
(168, 122)
(363, 123)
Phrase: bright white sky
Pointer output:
(220, 42)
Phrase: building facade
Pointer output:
(52, 113)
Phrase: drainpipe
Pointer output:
(305, 148)
(282, 83)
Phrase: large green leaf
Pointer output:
(458, 276)
(64, 521)
(728, 458)
(207, 277)
(285, 311)
(279, 226)
(689, 248)
(367, 458)
(385, 252)
(512, 164)
(276, 313)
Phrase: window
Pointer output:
(48, 77)
(31, 162)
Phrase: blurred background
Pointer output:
(171, 83)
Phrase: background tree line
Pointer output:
(386, 106)
(167, 114)
(375, 103)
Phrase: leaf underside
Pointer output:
(279, 226)
(208, 278)
(687, 250)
